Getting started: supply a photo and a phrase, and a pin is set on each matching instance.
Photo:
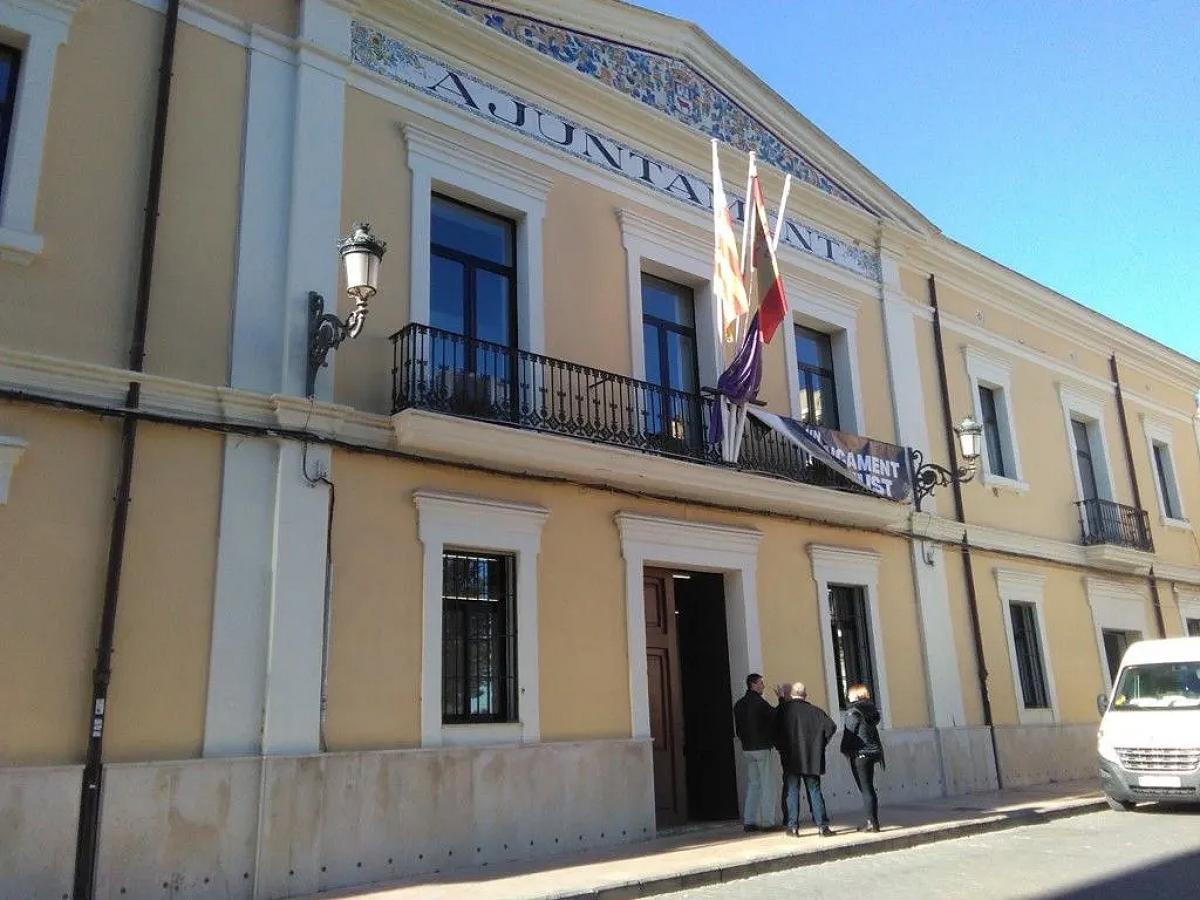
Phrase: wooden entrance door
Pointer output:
(666, 698)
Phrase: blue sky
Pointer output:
(1061, 139)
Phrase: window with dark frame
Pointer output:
(473, 293)
(1116, 642)
(818, 387)
(1030, 669)
(669, 345)
(10, 65)
(1166, 479)
(997, 464)
(479, 638)
(1193, 627)
(852, 658)
(1083, 459)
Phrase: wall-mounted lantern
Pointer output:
(361, 253)
(927, 476)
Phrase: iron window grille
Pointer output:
(10, 66)
(1029, 656)
(851, 640)
(997, 464)
(1193, 627)
(818, 386)
(479, 638)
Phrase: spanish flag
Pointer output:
(765, 280)
(727, 277)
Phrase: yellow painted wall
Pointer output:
(192, 288)
(282, 16)
(375, 189)
(54, 539)
(164, 621)
(376, 622)
(76, 300)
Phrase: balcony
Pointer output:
(1115, 533)
(448, 373)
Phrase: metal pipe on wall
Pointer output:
(1137, 494)
(91, 791)
(965, 547)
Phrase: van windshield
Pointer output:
(1158, 686)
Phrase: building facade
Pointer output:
(470, 602)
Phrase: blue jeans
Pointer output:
(816, 800)
(757, 809)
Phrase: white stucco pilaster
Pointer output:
(944, 682)
(267, 650)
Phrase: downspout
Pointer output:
(965, 548)
(88, 835)
(1137, 494)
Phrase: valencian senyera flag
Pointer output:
(728, 286)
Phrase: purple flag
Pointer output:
(739, 383)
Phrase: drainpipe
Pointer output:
(1137, 494)
(88, 835)
(964, 547)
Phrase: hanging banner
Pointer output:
(877, 466)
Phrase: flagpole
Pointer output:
(748, 209)
(787, 187)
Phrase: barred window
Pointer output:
(1193, 627)
(1029, 655)
(479, 638)
(851, 640)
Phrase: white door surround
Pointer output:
(730, 550)
(1115, 606)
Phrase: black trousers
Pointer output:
(863, 768)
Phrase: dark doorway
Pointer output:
(707, 697)
(690, 700)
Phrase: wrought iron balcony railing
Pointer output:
(446, 372)
(1106, 522)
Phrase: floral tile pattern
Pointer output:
(662, 82)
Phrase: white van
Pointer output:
(1149, 739)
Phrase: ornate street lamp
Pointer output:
(361, 253)
(927, 476)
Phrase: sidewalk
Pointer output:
(711, 854)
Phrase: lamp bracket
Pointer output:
(325, 332)
(927, 476)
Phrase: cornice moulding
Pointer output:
(643, 529)
(424, 142)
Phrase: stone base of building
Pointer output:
(248, 827)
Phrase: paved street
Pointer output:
(1152, 854)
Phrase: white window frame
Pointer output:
(1021, 586)
(441, 166)
(1188, 604)
(996, 374)
(682, 257)
(1115, 606)
(855, 568)
(472, 523)
(38, 28)
(1089, 409)
(838, 318)
(1158, 432)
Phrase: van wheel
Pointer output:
(1119, 805)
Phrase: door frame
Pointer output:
(674, 699)
(673, 544)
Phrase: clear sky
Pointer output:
(1061, 139)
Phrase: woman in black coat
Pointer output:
(863, 749)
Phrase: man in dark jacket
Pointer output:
(802, 733)
(754, 723)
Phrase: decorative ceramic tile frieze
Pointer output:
(390, 58)
(667, 84)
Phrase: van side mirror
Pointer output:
(1101, 703)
